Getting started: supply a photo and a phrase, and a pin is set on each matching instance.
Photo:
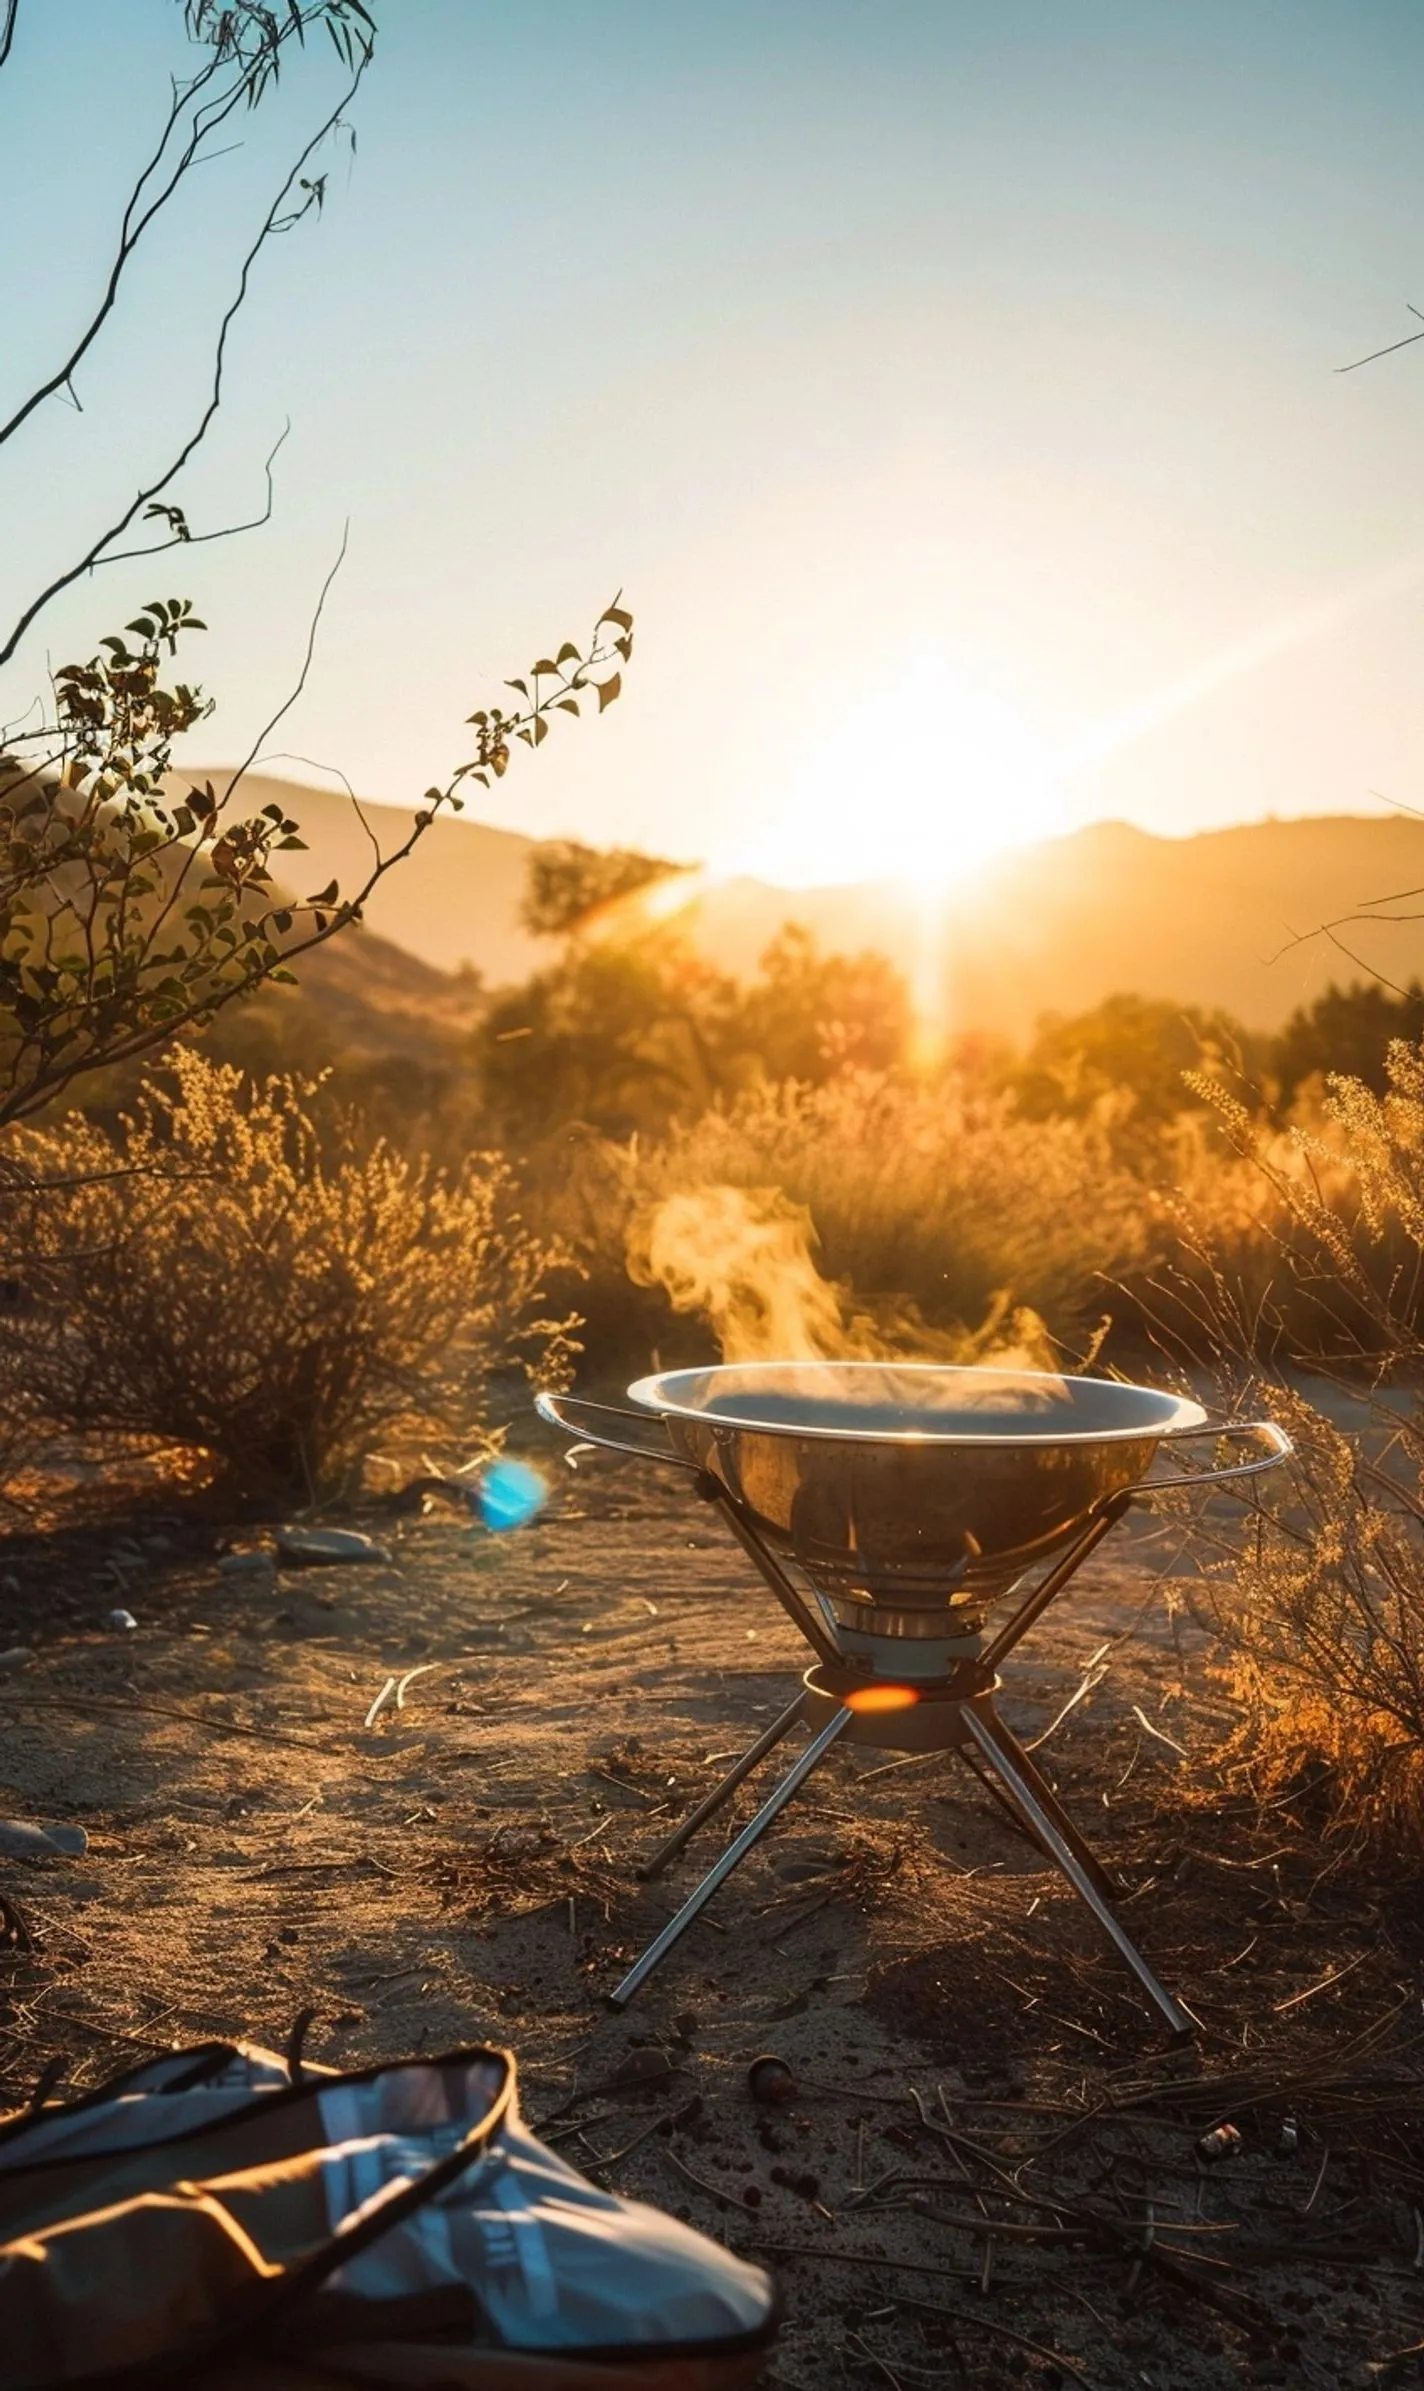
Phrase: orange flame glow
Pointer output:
(867, 1699)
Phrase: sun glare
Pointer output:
(924, 782)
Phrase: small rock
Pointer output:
(10, 1585)
(18, 1657)
(770, 2081)
(247, 1564)
(314, 1547)
(159, 1548)
(1223, 2142)
(121, 1623)
(21, 1840)
(644, 2070)
(1287, 2144)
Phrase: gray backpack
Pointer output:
(398, 2225)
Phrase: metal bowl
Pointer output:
(913, 1486)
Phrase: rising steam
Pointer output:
(742, 1258)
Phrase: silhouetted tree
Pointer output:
(1346, 1030)
(619, 1038)
(570, 886)
(810, 1015)
(630, 1031)
(1138, 1043)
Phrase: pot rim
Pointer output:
(1180, 1416)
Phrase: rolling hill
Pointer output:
(1220, 919)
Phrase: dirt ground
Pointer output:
(987, 2170)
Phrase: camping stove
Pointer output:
(914, 1521)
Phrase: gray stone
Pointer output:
(247, 1564)
(20, 1839)
(317, 1547)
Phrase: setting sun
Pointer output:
(922, 781)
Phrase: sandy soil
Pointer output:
(987, 2171)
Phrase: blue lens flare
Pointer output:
(509, 1495)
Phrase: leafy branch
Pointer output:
(129, 915)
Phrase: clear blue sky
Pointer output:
(846, 339)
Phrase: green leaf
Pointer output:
(608, 690)
(568, 654)
(618, 615)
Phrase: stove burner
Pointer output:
(891, 1507)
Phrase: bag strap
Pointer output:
(262, 2104)
(271, 2303)
(207, 2059)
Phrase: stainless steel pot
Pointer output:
(904, 1489)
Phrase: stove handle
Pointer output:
(1278, 1448)
(553, 1408)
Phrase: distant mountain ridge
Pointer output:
(1228, 918)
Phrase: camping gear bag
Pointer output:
(396, 2224)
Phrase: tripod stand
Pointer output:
(901, 1664)
(956, 1713)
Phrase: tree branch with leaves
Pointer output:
(129, 915)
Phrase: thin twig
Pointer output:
(1335, 1976)
(711, 2190)
(189, 1718)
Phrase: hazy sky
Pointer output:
(909, 366)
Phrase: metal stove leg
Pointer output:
(735, 1852)
(722, 1792)
(1078, 1876)
(1050, 1587)
(1010, 1811)
(1038, 1785)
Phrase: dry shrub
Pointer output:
(929, 1217)
(219, 1272)
(1323, 1612)
(1320, 1609)
(1307, 1235)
